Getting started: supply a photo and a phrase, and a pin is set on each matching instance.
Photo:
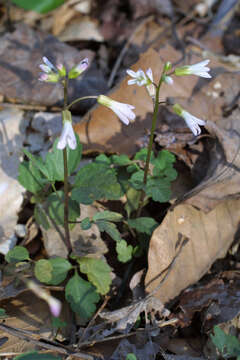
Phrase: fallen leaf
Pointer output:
(210, 235)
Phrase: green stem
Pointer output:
(65, 164)
(80, 99)
(154, 122)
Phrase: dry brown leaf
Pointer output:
(210, 236)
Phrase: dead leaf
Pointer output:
(148, 351)
(210, 235)
(142, 8)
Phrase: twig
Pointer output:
(51, 345)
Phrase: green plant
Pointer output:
(227, 345)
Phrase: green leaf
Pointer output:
(18, 253)
(41, 6)
(133, 168)
(56, 208)
(37, 162)
(58, 323)
(86, 224)
(103, 159)
(136, 180)
(131, 356)
(33, 355)
(94, 182)
(133, 198)
(41, 217)
(82, 297)
(158, 189)
(54, 161)
(108, 216)
(164, 159)
(3, 314)
(110, 229)
(98, 273)
(124, 251)
(30, 177)
(43, 270)
(142, 155)
(143, 224)
(228, 345)
(52, 271)
(121, 160)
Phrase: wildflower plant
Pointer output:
(144, 177)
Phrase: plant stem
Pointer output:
(80, 99)
(65, 164)
(154, 122)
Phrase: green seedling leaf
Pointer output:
(144, 225)
(86, 224)
(136, 180)
(133, 168)
(82, 297)
(103, 159)
(164, 159)
(121, 160)
(41, 217)
(110, 229)
(58, 323)
(54, 161)
(33, 355)
(158, 189)
(18, 253)
(40, 6)
(52, 271)
(96, 181)
(227, 345)
(38, 163)
(56, 208)
(133, 198)
(3, 314)
(124, 251)
(30, 177)
(108, 216)
(131, 356)
(43, 271)
(142, 155)
(98, 273)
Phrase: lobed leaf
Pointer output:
(143, 224)
(18, 253)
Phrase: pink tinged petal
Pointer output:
(54, 305)
(168, 80)
(45, 68)
(48, 63)
(83, 65)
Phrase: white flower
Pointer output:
(67, 137)
(123, 111)
(54, 305)
(192, 121)
(139, 78)
(198, 69)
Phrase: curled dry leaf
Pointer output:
(210, 235)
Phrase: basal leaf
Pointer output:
(108, 216)
(41, 6)
(142, 155)
(43, 270)
(96, 181)
(143, 224)
(33, 355)
(110, 229)
(60, 268)
(82, 297)
(103, 159)
(56, 208)
(18, 253)
(121, 160)
(124, 251)
(41, 217)
(30, 177)
(98, 273)
(86, 223)
(133, 198)
(136, 180)
(164, 159)
(158, 189)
